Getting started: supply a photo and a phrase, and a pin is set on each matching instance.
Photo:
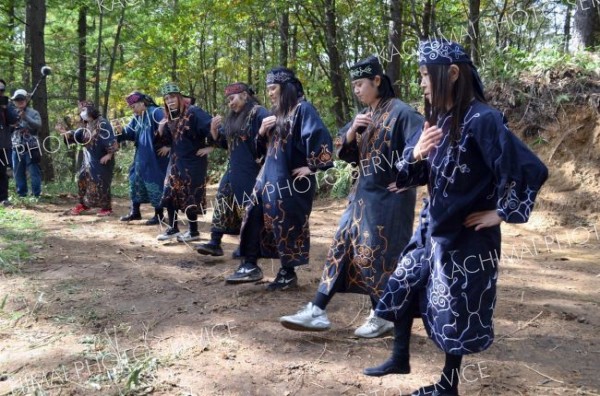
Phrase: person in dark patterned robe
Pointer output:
(478, 174)
(187, 128)
(95, 176)
(147, 173)
(377, 223)
(296, 144)
(237, 134)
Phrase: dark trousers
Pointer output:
(4, 161)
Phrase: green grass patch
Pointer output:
(19, 232)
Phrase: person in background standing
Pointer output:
(26, 149)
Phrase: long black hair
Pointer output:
(234, 122)
(460, 94)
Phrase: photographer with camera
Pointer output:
(8, 117)
(27, 152)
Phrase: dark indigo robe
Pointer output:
(185, 182)
(489, 168)
(285, 201)
(94, 179)
(235, 188)
(377, 223)
(147, 173)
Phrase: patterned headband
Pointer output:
(367, 68)
(87, 103)
(442, 52)
(280, 77)
(235, 88)
(134, 98)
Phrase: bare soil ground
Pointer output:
(103, 303)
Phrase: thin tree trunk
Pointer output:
(36, 22)
(174, 64)
(567, 28)
(11, 39)
(26, 72)
(472, 40)
(82, 54)
(249, 67)
(112, 61)
(336, 77)
(75, 155)
(284, 34)
(98, 58)
(427, 19)
(294, 40)
(394, 43)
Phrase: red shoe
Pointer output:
(77, 210)
(104, 212)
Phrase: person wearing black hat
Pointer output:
(377, 223)
(147, 173)
(8, 117)
(478, 174)
(187, 128)
(296, 144)
(236, 133)
(26, 149)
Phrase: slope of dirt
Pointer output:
(102, 303)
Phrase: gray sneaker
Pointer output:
(309, 318)
(374, 327)
(188, 237)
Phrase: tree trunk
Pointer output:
(113, 58)
(284, 34)
(174, 64)
(36, 22)
(98, 58)
(294, 54)
(249, 67)
(394, 66)
(82, 54)
(76, 156)
(26, 72)
(472, 39)
(587, 23)
(567, 28)
(427, 19)
(11, 39)
(336, 77)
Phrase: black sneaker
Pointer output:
(131, 216)
(155, 220)
(284, 280)
(210, 249)
(246, 272)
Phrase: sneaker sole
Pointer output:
(299, 327)
(208, 252)
(374, 335)
(244, 280)
(167, 238)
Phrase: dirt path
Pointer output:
(103, 303)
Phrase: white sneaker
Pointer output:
(187, 237)
(309, 318)
(374, 327)
(169, 233)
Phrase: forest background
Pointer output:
(102, 50)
